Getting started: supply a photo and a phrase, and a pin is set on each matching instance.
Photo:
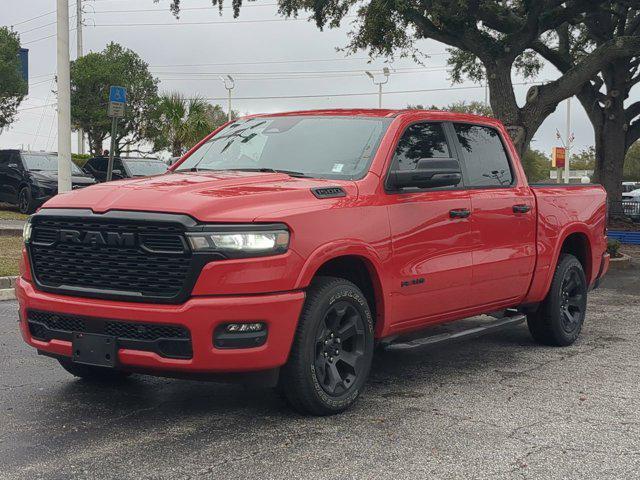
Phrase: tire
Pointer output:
(25, 202)
(559, 319)
(332, 350)
(93, 374)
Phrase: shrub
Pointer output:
(613, 247)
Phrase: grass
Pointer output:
(10, 251)
(9, 213)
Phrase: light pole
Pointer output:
(79, 53)
(386, 73)
(569, 141)
(229, 84)
(64, 97)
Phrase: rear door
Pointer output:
(431, 247)
(503, 218)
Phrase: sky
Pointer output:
(278, 64)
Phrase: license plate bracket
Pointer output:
(95, 349)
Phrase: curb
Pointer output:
(624, 262)
(10, 232)
(7, 291)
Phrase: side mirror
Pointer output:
(429, 173)
(116, 172)
(13, 165)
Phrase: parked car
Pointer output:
(287, 246)
(125, 167)
(631, 204)
(28, 179)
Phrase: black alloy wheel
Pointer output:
(559, 318)
(340, 347)
(573, 301)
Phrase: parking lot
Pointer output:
(495, 407)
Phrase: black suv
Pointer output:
(124, 167)
(28, 179)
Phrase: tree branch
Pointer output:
(573, 79)
(632, 111)
(633, 134)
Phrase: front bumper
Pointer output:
(200, 315)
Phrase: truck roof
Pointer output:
(382, 113)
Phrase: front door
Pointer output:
(431, 242)
(503, 219)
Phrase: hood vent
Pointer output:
(328, 192)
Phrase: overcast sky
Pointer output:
(260, 49)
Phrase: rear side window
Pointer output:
(486, 160)
(420, 141)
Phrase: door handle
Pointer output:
(521, 208)
(459, 213)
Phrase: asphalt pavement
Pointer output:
(490, 408)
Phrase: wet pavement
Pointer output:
(499, 406)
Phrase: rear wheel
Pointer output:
(558, 321)
(95, 374)
(332, 351)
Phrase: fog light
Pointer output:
(240, 335)
(244, 327)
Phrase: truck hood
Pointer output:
(207, 196)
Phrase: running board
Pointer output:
(499, 324)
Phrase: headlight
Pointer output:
(26, 231)
(258, 242)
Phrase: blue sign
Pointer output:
(24, 64)
(118, 94)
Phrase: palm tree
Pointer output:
(183, 122)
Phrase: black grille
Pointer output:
(171, 341)
(144, 331)
(157, 266)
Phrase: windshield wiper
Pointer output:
(291, 173)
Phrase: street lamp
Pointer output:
(229, 84)
(386, 73)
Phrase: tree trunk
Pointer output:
(610, 154)
(504, 104)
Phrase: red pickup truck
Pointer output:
(288, 246)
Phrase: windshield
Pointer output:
(46, 163)
(145, 168)
(325, 147)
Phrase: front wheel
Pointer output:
(332, 351)
(559, 319)
(25, 203)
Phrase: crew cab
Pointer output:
(286, 247)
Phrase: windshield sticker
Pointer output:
(337, 167)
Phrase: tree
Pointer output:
(490, 38)
(616, 125)
(13, 87)
(91, 77)
(184, 122)
(474, 107)
(536, 165)
(585, 160)
(632, 164)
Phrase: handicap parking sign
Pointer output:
(118, 94)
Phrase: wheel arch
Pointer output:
(357, 263)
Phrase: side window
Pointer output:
(420, 141)
(4, 158)
(485, 157)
